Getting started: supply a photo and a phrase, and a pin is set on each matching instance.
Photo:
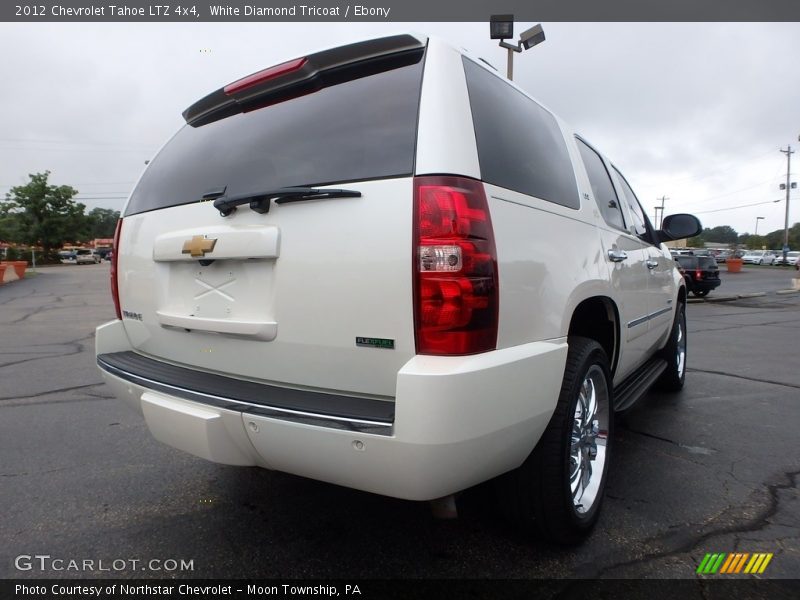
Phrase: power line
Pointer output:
(702, 212)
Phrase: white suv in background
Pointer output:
(351, 267)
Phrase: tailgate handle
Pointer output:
(259, 330)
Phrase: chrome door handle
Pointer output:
(651, 264)
(616, 255)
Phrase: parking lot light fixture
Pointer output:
(501, 27)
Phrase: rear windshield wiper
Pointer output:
(260, 201)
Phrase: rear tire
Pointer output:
(558, 490)
(673, 378)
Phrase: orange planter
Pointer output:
(19, 267)
(2, 273)
(734, 265)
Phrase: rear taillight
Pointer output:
(698, 274)
(455, 267)
(114, 260)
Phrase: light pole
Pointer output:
(757, 220)
(787, 186)
(501, 27)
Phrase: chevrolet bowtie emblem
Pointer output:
(198, 246)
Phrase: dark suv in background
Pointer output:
(700, 272)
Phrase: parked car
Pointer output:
(701, 273)
(67, 257)
(722, 256)
(268, 313)
(84, 256)
(758, 257)
(791, 258)
(102, 253)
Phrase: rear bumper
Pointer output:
(705, 286)
(456, 421)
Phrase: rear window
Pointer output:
(706, 262)
(520, 145)
(696, 262)
(358, 130)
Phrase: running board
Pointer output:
(637, 384)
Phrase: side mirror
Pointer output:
(678, 227)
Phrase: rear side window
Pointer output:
(520, 146)
(687, 262)
(602, 188)
(362, 129)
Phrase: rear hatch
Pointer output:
(310, 290)
(708, 265)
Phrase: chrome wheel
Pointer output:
(680, 348)
(589, 440)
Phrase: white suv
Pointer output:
(351, 267)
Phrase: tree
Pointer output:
(722, 234)
(44, 214)
(755, 242)
(102, 222)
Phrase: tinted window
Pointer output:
(362, 129)
(637, 214)
(602, 188)
(687, 262)
(520, 146)
(706, 262)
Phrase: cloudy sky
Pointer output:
(694, 112)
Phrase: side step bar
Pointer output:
(637, 385)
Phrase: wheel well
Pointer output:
(598, 319)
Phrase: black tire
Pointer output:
(700, 293)
(675, 352)
(538, 496)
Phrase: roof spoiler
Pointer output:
(304, 76)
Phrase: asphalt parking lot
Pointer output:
(714, 469)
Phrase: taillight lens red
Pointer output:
(114, 262)
(455, 267)
(698, 274)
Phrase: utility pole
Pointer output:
(663, 199)
(788, 152)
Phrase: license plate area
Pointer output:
(229, 297)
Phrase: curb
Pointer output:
(737, 296)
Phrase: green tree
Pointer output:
(756, 242)
(722, 234)
(102, 222)
(44, 214)
(696, 242)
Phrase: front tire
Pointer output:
(558, 490)
(673, 378)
